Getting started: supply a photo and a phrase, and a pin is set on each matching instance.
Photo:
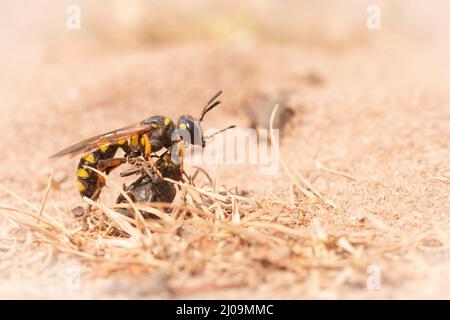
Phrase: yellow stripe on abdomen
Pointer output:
(90, 158)
(80, 186)
(82, 173)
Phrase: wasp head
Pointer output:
(190, 129)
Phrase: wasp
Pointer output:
(142, 139)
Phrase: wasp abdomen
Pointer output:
(89, 182)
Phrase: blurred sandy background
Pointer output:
(381, 113)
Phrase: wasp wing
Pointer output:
(104, 139)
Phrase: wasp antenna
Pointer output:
(214, 98)
(211, 104)
(217, 132)
(209, 108)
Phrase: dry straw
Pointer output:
(221, 237)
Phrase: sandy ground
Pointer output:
(381, 116)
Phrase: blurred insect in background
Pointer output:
(143, 139)
(260, 112)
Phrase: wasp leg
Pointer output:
(130, 172)
(107, 165)
(145, 146)
(143, 166)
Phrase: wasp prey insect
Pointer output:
(151, 186)
(142, 139)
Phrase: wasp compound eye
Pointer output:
(188, 126)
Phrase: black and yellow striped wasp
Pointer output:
(143, 139)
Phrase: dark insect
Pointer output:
(141, 139)
(151, 186)
(169, 165)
